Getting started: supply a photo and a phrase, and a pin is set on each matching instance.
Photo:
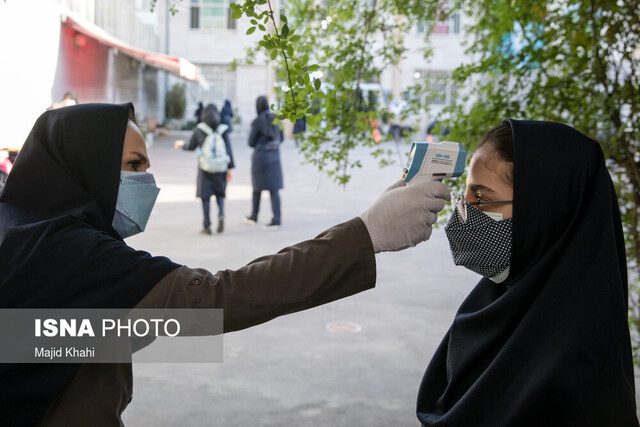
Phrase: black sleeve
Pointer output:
(196, 140)
(255, 133)
(227, 143)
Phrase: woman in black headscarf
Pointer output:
(226, 114)
(543, 338)
(78, 187)
(266, 170)
(198, 112)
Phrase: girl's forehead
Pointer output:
(487, 159)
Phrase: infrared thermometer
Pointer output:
(436, 160)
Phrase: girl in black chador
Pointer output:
(543, 339)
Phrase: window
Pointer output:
(448, 26)
(222, 85)
(455, 22)
(211, 14)
(231, 23)
(195, 17)
(441, 91)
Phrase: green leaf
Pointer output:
(317, 83)
(251, 30)
(274, 54)
(237, 11)
(285, 31)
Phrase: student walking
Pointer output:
(215, 161)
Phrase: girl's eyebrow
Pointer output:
(479, 188)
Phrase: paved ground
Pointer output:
(293, 371)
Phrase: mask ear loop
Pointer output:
(461, 205)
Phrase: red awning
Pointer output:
(172, 64)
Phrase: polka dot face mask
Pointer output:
(480, 242)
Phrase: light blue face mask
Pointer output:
(136, 196)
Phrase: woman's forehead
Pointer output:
(133, 137)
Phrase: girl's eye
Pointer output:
(481, 200)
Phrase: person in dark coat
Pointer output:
(266, 169)
(543, 338)
(211, 184)
(226, 114)
(298, 130)
(198, 113)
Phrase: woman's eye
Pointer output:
(134, 164)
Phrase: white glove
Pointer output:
(403, 215)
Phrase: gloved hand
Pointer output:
(403, 215)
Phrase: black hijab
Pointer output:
(264, 122)
(262, 104)
(550, 346)
(211, 116)
(58, 248)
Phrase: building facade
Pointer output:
(121, 51)
(203, 32)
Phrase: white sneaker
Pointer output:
(249, 221)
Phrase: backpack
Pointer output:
(213, 155)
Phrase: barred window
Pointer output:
(222, 85)
(440, 88)
(451, 25)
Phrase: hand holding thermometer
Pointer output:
(436, 160)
